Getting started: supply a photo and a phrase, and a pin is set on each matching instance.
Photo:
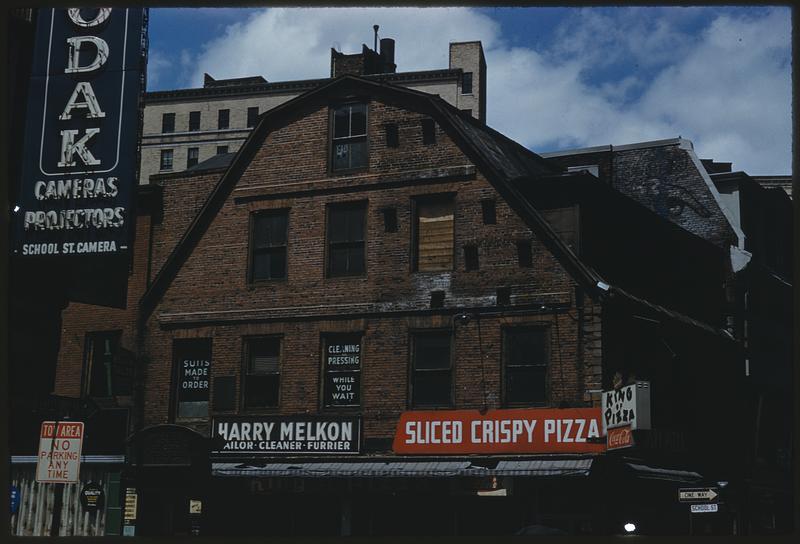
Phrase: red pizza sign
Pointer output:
(525, 430)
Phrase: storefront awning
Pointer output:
(408, 469)
(644, 471)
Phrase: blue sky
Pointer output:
(558, 78)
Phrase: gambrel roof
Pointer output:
(505, 163)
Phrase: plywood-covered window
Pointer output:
(434, 234)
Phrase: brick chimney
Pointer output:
(365, 63)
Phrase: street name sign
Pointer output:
(698, 494)
(59, 459)
(703, 508)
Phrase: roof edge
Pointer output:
(609, 147)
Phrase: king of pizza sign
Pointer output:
(627, 406)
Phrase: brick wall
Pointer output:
(183, 196)
(79, 319)
(210, 296)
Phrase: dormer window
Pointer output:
(349, 137)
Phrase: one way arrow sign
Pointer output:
(698, 494)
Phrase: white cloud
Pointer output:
(284, 44)
(158, 64)
(726, 88)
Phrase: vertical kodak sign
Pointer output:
(81, 135)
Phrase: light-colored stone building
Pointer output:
(184, 127)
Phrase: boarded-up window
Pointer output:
(565, 222)
(434, 234)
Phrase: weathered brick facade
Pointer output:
(210, 296)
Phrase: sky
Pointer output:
(558, 78)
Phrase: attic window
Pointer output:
(392, 135)
(349, 137)
(428, 132)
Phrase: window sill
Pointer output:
(446, 271)
(543, 404)
(348, 172)
(346, 277)
(266, 282)
(259, 410)
(349, 410)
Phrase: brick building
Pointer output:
(362, 253)
(377, 238)
(187, 126)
